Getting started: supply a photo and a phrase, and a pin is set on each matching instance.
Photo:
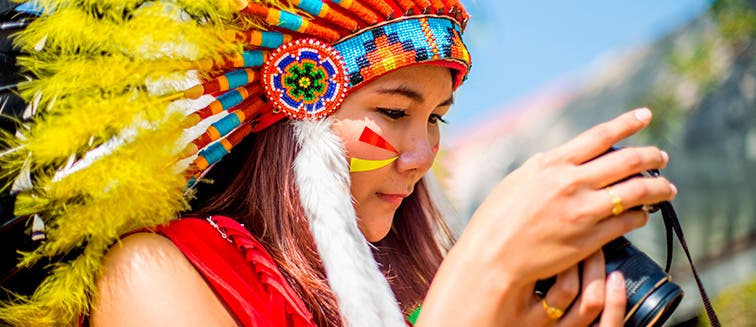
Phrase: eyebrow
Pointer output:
(412, 94)
(447, 102)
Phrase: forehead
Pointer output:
(427, 79)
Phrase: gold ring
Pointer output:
(617, 207)
(552, 312)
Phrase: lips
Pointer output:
(392, 198)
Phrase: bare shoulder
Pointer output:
(147, 281)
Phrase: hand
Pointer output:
(585, 300)
(540, 221)
(554, 211)
(579, 297)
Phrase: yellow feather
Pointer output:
(73, 30)
(94, 69)
(82, 123)
(214, 11)
(133, 178)
(64, 295)
(95, 61)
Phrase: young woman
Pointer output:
(288, 233)
(488, 277)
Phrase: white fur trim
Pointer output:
(363, 293)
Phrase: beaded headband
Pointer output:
(404, 42)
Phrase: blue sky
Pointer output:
(519, 46)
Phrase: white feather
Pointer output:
(23, 181)
(363, 293)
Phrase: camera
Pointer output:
(651, 294)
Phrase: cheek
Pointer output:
(360, 185)
(350, 131)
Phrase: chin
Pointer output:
(376, 237)
(376, 231)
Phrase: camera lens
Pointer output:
(658, 306)
(651, 295)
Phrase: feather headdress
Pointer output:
(134, 101)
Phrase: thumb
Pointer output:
(616, 299)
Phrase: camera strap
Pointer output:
(671, 223)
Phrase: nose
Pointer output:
(416, 155)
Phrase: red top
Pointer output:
(239, 270)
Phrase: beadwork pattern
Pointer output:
(384, 48)
(305, 79)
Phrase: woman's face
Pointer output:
(404, 108)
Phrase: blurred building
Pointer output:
(700, 81)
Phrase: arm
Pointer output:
(147, 281)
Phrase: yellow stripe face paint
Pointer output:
(357, 165)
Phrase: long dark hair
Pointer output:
(256, 185)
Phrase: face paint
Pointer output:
(357, 165)
(371, 137)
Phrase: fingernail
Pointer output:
(665, 156)
(616, 281)
(673, 188)
(643, 114)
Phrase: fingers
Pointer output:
(591, 300)
(616, 298)
(614, 207)
(618, 165)
(598, 139)
(611, 228)
(561, 294)
(633, 193)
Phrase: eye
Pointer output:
(435, 119)
(393, 113)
